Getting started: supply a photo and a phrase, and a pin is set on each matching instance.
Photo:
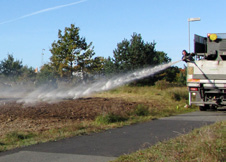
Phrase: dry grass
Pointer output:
(169, 101)
(201, 145)
(151, 103)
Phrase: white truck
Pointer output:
(206, 72)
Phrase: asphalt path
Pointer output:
(108, 145)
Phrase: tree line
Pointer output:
(74, 60)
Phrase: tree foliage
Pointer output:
(181, 76)
(71, 53)
(11, 67)
(109, 67)
(170, 74)
(135, 53)
(13, 71)
(28, 73)
(97, 65)
(47, 75)
(72, 56)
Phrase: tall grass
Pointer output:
(178, 94)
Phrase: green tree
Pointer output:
(10, 67)
(135, 53)
(97, 65)
(181, 76)
(27, 73)
(47, 75)
(71, 53)
(109, 67)
(170, 74)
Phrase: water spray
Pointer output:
(98, 86)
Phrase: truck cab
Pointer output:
(206, 73)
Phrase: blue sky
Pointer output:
(29, 26)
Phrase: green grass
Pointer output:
(16, 139)
(17, 136)
(110, 118)
(142, 110)
(206, 144)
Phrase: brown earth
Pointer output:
(43, 116)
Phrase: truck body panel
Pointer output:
(206, 74)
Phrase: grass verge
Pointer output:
(151, 103)
(204, 144)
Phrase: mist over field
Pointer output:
(29, 94)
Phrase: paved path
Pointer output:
(110, 144)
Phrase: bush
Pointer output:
(179, 94)
(110, 118)
(162, 84)
(142, 110)
(17, 136)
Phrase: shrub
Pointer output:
(142, 110)
(2, 144)
(110, 118)
(162, 84)
(179, 94)
(17, 136)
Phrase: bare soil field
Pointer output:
(44, 116)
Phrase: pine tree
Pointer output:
(71, 53)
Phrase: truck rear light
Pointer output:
(193, 89)
(193, 80)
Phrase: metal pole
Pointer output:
(188, 36)
(191, 20)
(42, 63)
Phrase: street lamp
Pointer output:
(42, 63)
(191, 20)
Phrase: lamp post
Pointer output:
(42, 63)
(191, 20)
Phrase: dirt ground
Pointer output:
(43, 116)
